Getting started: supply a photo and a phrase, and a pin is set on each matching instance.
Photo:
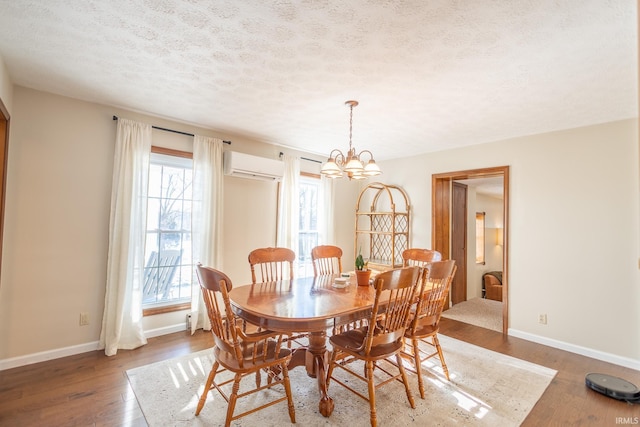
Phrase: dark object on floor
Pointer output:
(614, 387)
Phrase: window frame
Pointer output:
(183, 305)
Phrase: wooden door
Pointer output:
(459, 242)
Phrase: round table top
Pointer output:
(307, 304)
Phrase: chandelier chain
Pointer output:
(350, 125)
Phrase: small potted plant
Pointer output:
(362, 272)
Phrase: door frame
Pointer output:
(4, 156)
(441, 185)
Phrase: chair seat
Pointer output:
(352, 341)
(422, 331)
(229, 361)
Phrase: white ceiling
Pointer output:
(429, 75)
(492, 187)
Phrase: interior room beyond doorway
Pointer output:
(457, 198)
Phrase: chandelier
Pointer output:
(352, 164)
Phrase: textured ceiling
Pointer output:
(429, 74)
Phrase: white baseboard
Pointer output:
(43, 356)
(165, 330)
(584, 351)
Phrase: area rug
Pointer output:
(486, 389)
(481, 312)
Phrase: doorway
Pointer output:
(443, 197)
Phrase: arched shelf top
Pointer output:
(378, 189)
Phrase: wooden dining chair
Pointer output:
(270, 264)
(381, 340)
(326, 259)
(424, 327)
(419, 257)
(241, 354)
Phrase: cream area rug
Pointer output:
(486, 389)
(481, 312)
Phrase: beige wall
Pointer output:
(574, 234)
(574, 199)
(57, 221)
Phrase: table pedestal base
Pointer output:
(315, 359)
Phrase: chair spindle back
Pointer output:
(420, 257)
(389, 321)
(434, 293)
(272, 264)
(326, 259)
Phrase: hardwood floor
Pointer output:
(567, 401)
(91, 389)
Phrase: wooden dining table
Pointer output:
(311, 305)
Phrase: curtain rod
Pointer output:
(173, 131)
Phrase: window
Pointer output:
(308, 229)
(169, 267)
(480, 237)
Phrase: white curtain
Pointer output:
(207, 217)
(289, 207)
(121, 321)
(325, 211)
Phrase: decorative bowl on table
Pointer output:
(341, 282)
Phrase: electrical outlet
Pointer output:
(84, 319)
(542, 319)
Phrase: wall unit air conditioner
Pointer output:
(252, 167)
